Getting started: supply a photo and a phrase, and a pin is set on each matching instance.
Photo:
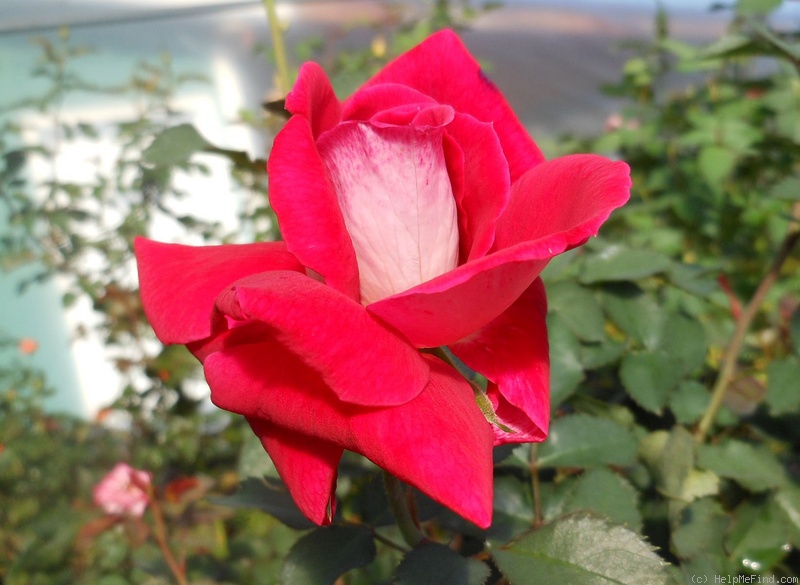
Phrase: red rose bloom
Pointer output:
(416, 214)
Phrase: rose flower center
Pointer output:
(398, 206)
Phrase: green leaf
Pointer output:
(321, 556)
(674, 465)
(698, 484)
(579, 309)
(725, 46)
(649, 378)
(794, 331)
(635, 312)
(615, 263)
(607, 494)
(689, 401)
(584, 441)
(759, 537)
(755, 467)
(269, 495)
(174, 146)
(701, 530)
(782, 386)
(685, 340)
(597, 355)
(752, 7)
(788, 500)
(694, 279)
(566, 371)
(788, 188)
(582, 550)
(716, 164)
(436, 564)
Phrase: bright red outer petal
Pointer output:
(307, 465)
(312, 96)
(439, 442)
(446, 309)
(485, 181)
(512, 352)
(178, 284)
(571, 196)
(360, 359)
(370, 101)
(442, 68)
(308, 212)
(556, 206)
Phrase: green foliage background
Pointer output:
(675, 347)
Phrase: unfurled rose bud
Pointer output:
(123, 491)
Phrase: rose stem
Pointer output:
(397, 501)
(728, 368)
(280, 49)
(537, 500)
(179, 571)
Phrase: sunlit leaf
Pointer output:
(578, 308)
(650, 377)
(755, 467)
(605, 493)
(582, 550)
(635, 312)
(616, 263)
(174, 146)
(585, 441)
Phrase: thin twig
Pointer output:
(177, 569)
(535, 488)
(397, 501)
(728, 367)
(279, 47)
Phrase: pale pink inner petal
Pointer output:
(397, 202)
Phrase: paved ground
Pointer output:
(549, 57)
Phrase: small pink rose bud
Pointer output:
(123, 491)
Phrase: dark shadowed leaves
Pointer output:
(321, 556)
(435, 564)
(269, 495)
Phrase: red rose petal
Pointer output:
(307, 465)
(308, 213)
(312, 96)
(178, 284)
(566, 199)
(512, 352)
(442, 68)
(362, 361)
(439, 442)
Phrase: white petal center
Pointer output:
(397, 202)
